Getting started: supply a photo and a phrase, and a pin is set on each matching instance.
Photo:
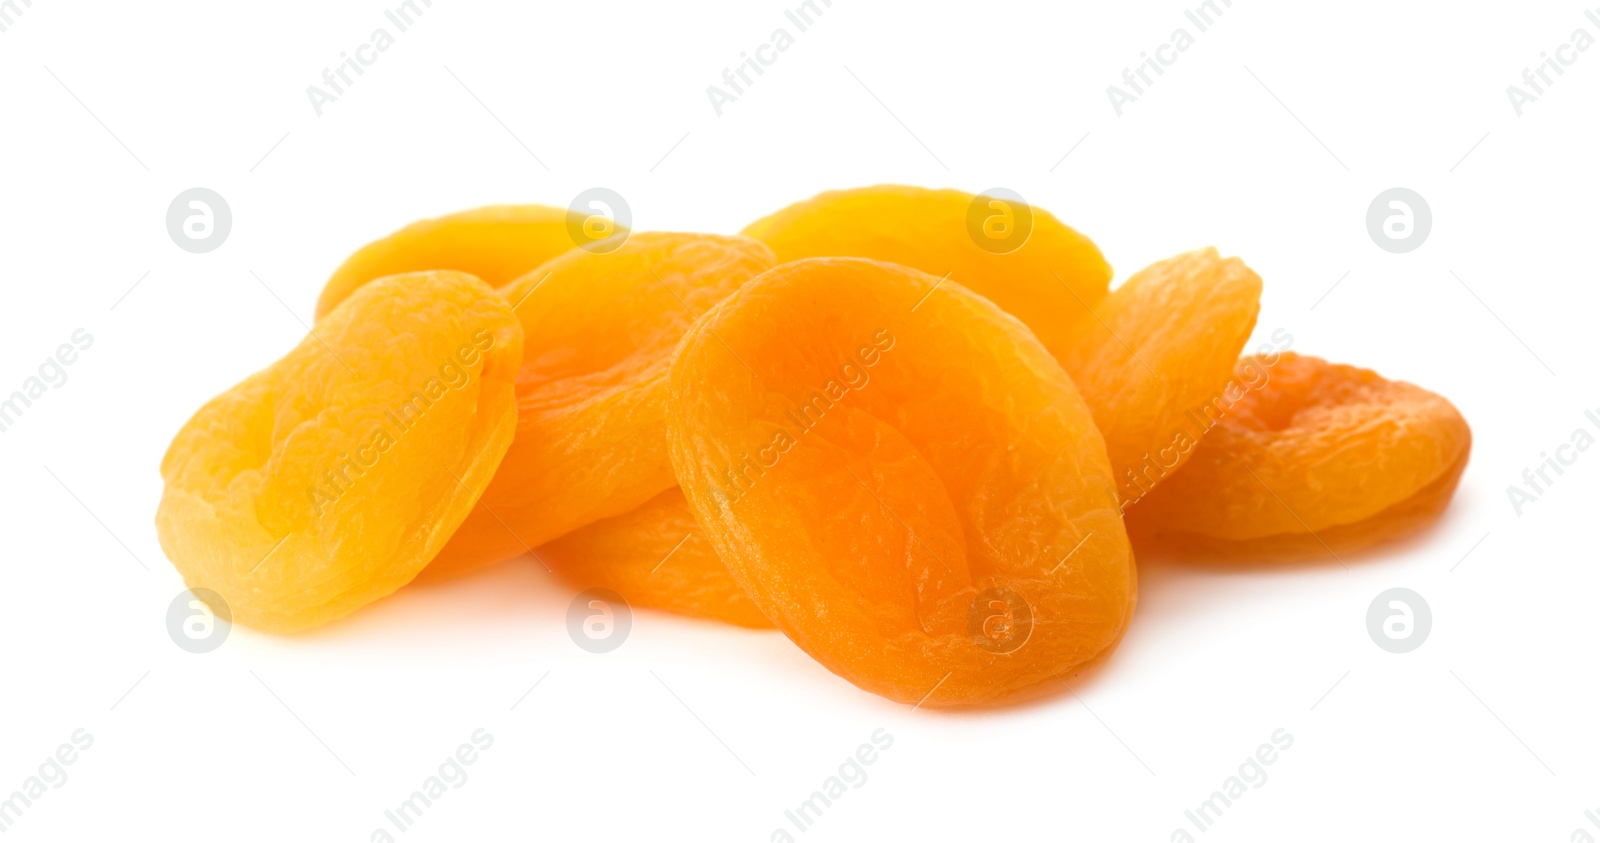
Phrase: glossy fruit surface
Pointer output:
(655, 556)
(333, 476)
(497, 243)
(591, 395)
(903, 480)
(1320, 447)
(1157, 359)
(1018, 256)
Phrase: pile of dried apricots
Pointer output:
(913, 429)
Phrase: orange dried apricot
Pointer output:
(329, 479)
(1319, 457)
(591, 395)
(497, 243)
(903, 480)
(655, 556)
(1157, 355)
(1017, 256)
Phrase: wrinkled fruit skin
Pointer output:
(498, 244)
(918, 498)
(1320, 458)
(1157, 359)
(654, 556)
(591, 394)
(312, 489)
(1050, 282)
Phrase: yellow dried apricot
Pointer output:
(1158, 353)
(591, 395)
(329, 479)
(1017, 256)
(1320, 457)
(655, 556)
(903, 480)
(497, 243)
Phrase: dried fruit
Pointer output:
(903, 480)
(330, 478)
(498, 244)
(909, 448)
(1319, 458)
(1156, 358)
(591, 395)
(1017, 256)
(655, 556)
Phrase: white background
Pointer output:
(1268, 138)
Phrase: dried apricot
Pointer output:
(329, 479)
(902, 479)
(1017, 256)
(1317, 458)
(498, 244)
(655, 556)
(1158, 353)
(591, 395)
